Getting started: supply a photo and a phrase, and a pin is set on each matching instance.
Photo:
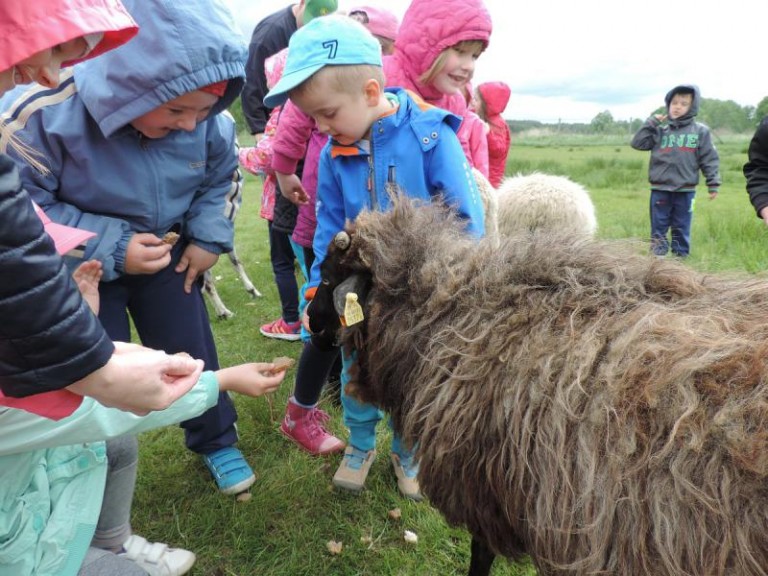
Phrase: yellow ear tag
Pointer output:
(353, 312)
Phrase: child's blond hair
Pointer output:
(475, 46)
(347, 78)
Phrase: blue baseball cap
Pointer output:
(328, 41)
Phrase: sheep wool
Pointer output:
(536, 200)
(598, 409)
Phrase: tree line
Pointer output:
(722, 116)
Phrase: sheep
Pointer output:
(575, 400)
(209, 287)
(536, 200)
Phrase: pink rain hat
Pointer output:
(379, 21)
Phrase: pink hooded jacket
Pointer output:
(426, 30)
(297, 138)
(495, 97)
(31, 26)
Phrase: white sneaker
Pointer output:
(156, 558)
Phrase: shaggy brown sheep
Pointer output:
(602, 411)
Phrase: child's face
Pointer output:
(43, 67)
(182, 113)
(458, 69)
(344, 116)
(680, 105)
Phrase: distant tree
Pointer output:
(603, 122)
(761, 111)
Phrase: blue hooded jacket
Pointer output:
(104, 176)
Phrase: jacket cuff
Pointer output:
(283, 164)
(208, 247)
(120, 250)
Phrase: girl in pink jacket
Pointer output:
(435, 52)
(490, 100)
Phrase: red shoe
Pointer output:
(305, 427)
(282, 330)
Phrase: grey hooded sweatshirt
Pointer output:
(679, 149)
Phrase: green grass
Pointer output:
(283, 530)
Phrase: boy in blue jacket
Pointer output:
(680, 147)
(135, 145)
(379, 141)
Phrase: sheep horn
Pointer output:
(342, 240)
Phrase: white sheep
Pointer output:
(536, 200)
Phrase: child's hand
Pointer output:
(195, 261)
(290, 186)
(146, 254)
(254, 379)
(87, 277)
(660, 117)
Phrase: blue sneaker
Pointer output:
(230, 470)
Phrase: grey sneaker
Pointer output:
(354, 469)
(406, 470)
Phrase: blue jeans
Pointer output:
(671, 210)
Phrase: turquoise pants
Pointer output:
(361, 419)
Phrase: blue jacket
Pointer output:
(106, 178)
(416, 149)
(49, 338)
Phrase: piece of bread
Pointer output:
(282, 363)
(171, 238)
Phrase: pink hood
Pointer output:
(496, 97)
(428, 28)
(30, 26)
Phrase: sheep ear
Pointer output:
(355, 283)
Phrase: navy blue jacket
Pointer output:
(49, 338)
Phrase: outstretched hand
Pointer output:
(253, 379)
(140, 380)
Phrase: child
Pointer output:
(680, 147)
(490, 100)
(756, 170)
(380, 22)
(66, 490)
(280, 215)
(435, 53)
(134, 146)
(379, 141)
(51, 341)
(299, 137)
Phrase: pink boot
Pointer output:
(305, 427)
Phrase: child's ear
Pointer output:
(372, 90)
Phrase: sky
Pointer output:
(569, 60)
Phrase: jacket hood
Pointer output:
(430, 27)
(495, 97)
(30, 26)
(181, 46)
(694, 103)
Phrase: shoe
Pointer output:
(354, 469)
(406, 470)
(230, 470)
(156, 558)
(305, 427)
(282, 330)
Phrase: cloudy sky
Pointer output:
(570, 60)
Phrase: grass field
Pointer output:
(294, 511)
